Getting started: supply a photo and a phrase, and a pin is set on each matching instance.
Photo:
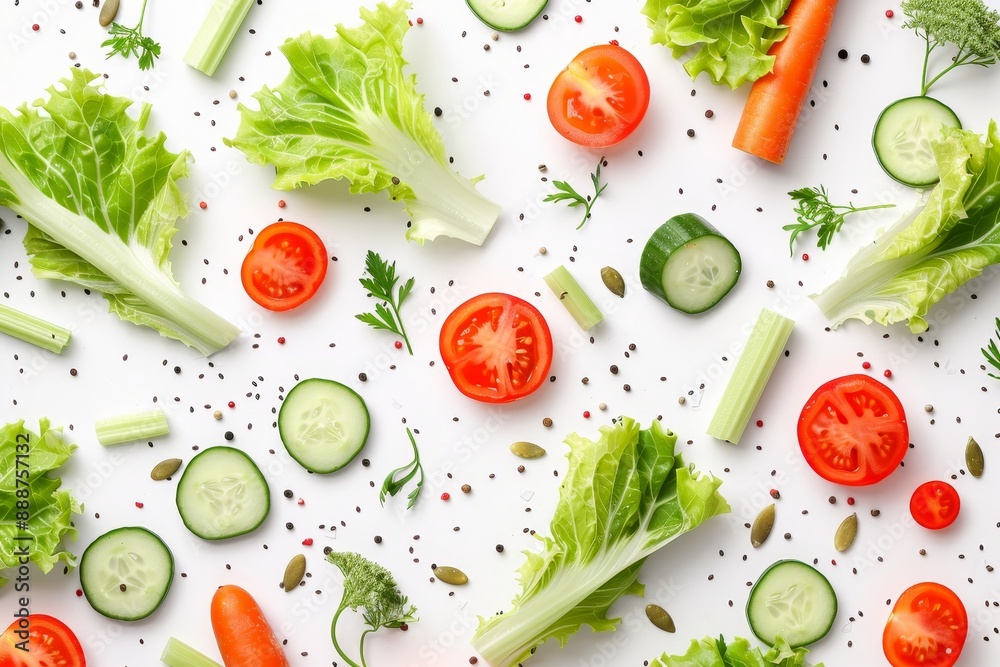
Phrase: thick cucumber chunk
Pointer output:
(126, 573)
(689, 264)
(323, 424)
(793, 601)
(506, 15)
(902, 139)
(222, 494)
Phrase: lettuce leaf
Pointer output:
(347, 110)
(709, 652)
(623, 497)
(26, 463)
(101, 198)
(933, 250)
(728, 39)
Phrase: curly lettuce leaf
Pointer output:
(727, 39)
(936, 248)
(347, 111)
(26, 463)
(101, 198)
(623, 497)
(709, 652)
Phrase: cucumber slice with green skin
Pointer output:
(125, 573)
(688, 264)
(902, 139)
(506, 15)
(323, 424)
(222, 494)
(793, 601)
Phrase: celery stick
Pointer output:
(753, 370)
(178, 654)
(126, 428)
(33, 330)
(564, 285)
(216, 34)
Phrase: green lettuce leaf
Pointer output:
(727, 39)
(26, 463)
(347, 110)
(933, 250)
(709, 652)
(622, 498)
(101, 198)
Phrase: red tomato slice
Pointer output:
(853, 431)
(48, 640)
(927, 627)
(497, 348)
(935, 505)
(600, 97)
(285, 266)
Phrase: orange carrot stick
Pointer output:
(244, 637)
(776, 99)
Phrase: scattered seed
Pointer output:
(526, 450)
(846, 533)
(613, 281)
(108, 13)
(451, 575)
(762, 526)
(294, 571)
(165, 469)
(659, 617)
(547, 422)
(974, 458)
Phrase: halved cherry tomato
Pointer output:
(285, 266)
(853, 431)
(935, 505)
(600, 97)
(927, 627)
(497, 348)
(48, 640)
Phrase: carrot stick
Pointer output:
(244, 637)
(776, 99)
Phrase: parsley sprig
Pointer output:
(567, 193)
(401, 476)
(815, 210)
(131, 42)
(381, 284)
(992, 352)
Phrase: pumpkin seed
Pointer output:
(659, 617)
(613, 281)
(974, 458)
(108, 12)
(846, 533)
(294, 571)
(526, 450)
(762, 526)
(451, 575)
(165, 469)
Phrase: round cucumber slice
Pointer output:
(323, 424)
(222, 494)
(793, 601)
(125, 573)
(506, 15)
(902, 139)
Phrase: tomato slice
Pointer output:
(48, 640)
(853, 431)
(285, 266)
(497, 347)
(935, 505)
(600, 97)
(927, 627)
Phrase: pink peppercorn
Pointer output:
(79, 593)
(307, 542)
(36, 27)
(445, 496)
(203, 205)
(887, 373)
(420, 21)
(760, 422)
(398, 345)
(586, 414)
(850, 500)
(527, 96)
(138, 504)
(232, 404)
(805, 257)
(889, 13)
(866, 365)
(301, 501)
(281, 340)
(281, 203)
(578, 18)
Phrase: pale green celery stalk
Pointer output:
(216, 34)
(32, 330)
(178, 654)
(753, 370)
(128, 428)
(580, 306)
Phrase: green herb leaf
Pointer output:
(131, 42)
(815, 210)
(992, 352)
(400, 477)
(568, 193)
(382, 285)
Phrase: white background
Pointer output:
(702, 579)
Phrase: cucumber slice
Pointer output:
(126, 573)
(222, 494)
(689, 264)
(506, 15)
(323, 424)
(793, 601)
(902, 139)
